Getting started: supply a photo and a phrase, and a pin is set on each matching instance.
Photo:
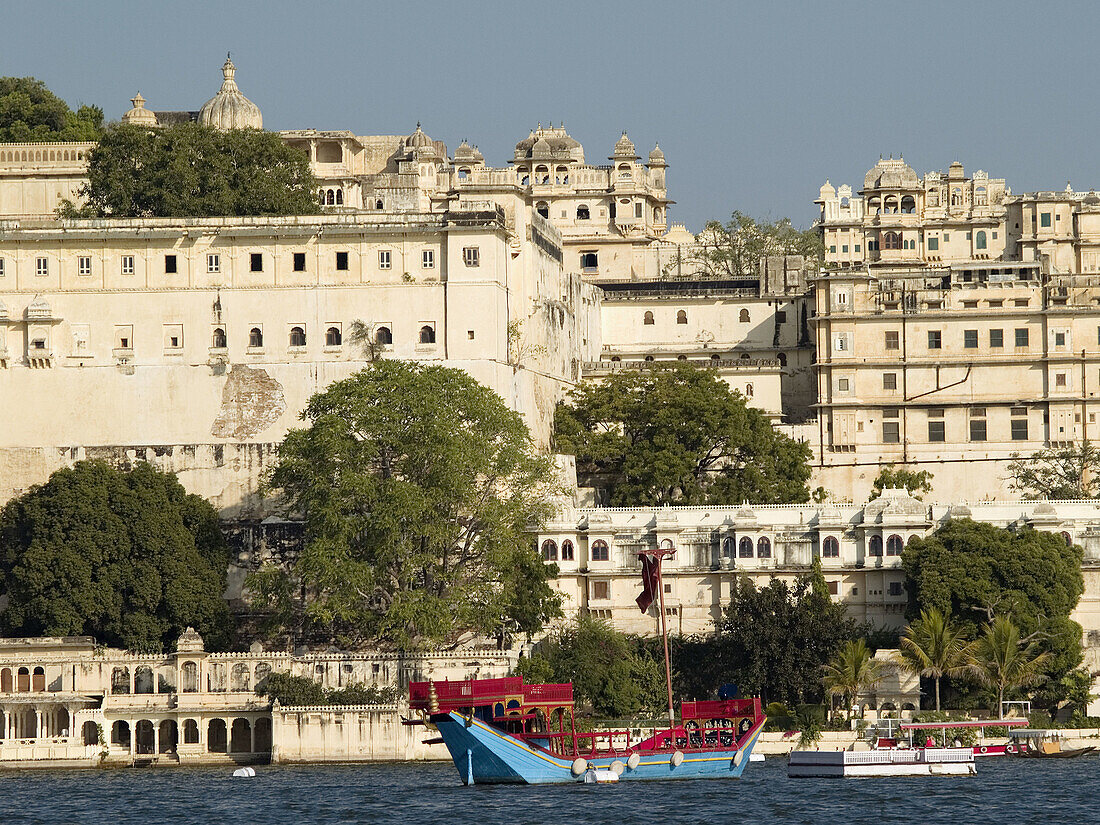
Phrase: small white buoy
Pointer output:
(617, 767)
(677, 759)
(756, 757)
(594, 776)
(634, 761)
(580, 764)
(241, 772)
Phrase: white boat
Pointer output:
(885, 762)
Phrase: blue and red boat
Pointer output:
(505, 731)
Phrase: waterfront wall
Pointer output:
(357, 733)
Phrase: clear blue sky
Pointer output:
(755, 104)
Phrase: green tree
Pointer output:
(613, 673)
(299, 691)
(678, 435)
(418, 488)
(912, 481)
(974, 571)
(852, 671)
(31, 113)
(772, 642)
(1001, 659)
(1058, 473)
(127, 557)
(188, 170)
(733, 250)
(933, 646)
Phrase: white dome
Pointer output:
(139, 115)
(229, 109)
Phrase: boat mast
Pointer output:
(661, 554)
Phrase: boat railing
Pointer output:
(906, 756)
(610, 742)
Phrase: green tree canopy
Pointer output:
(1002, 660)
(613, 673)
(1058, 472)
(912, 481)
(193, 171)
(974, 571)
(31, 113)
(772, 642)
(127, 557)
(418, 488)
(678, 435)
(934, 646)
(733, 250)
(290, 690)
(851, 671)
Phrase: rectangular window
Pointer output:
(256, 262)
(637, 210)
(41, 267)
(1059, 339)
(385, 259)
(936, 431)
(1044, 219)
(891, 432)
(842, 385)
(889, 380)
(968, 236)
(833, 587)
(781, 317)
(1060, 379)
(977, 429)
(970, 338)
(299, 261)
(84, 265)
(1, 267)
(832, 249)
(1020, 302)
(893, 340)
(934, 339)
(996, 338)
(127, 264)
(997, 304)
(170, 264)
(844, 248)
(933, 244)
(342, 260)
(970, 304)
(173, 336)
(1021, 337)
(124, 337)
(213, 263)
(471, 256)
(601, 591)
(894, 589)
(427, 259)
(1019, 429)
(857, 248)
(946, 237)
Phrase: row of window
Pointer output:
(896, 240)
(937, 429)
(471, 257)
(682, 318)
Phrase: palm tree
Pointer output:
(933, 646)
(1001, 659)
(852, 671)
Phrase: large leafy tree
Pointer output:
(1058, 473)
(418, 487)
(853, 670)
(934, 646)
(678, 435)
(127, 557)
(1003, 661)
(733, 249)
(974, 571)
(188, 170)
(913, 482)
(771, 641)
(31, 113)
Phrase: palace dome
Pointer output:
(139, 115)
(624, 149)
(419, 140)
(891, 174)
(657, 156)
(229, 109)
(553, 141)
(465, 153)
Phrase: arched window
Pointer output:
(255, 337)
(830, 548)
(894, 546)
(427, 334)
(463, 173)
(956, 197)
(120, 679)
(728, 547)
(744, 357)
(600, 551)
(216, 736)
(339, 197)
(647, 319)
(1068, 539)
(333, 338)
(190, 732)
(543, 208)
(744, 548)
(143, 680)
(681, 317)
(567, 550)
(908, 205)
(383, 336)
(330, 197)
(874, 547)
(979, 196)
(297, 337)
(549, 550)
(874, 206)
(749, 390)
(649, 358)
(657, 214)
(5, 681)
(979, 240)
(891, 240)
(764, 548)
(90, 732)
(190, 677)
(38, 680)
(615, 359)
(743, 316)
(782, 359)
(378, 204)
(844, 203)
(263, 670)
(890, 204)
(590, 261)
(240, 678)
(218, 339)
(715, 357)
(583, 213)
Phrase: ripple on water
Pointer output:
(1005, 789)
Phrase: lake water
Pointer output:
(1004, 791)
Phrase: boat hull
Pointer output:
(887, 762)
(484, 755)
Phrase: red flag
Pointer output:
(651, 580)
